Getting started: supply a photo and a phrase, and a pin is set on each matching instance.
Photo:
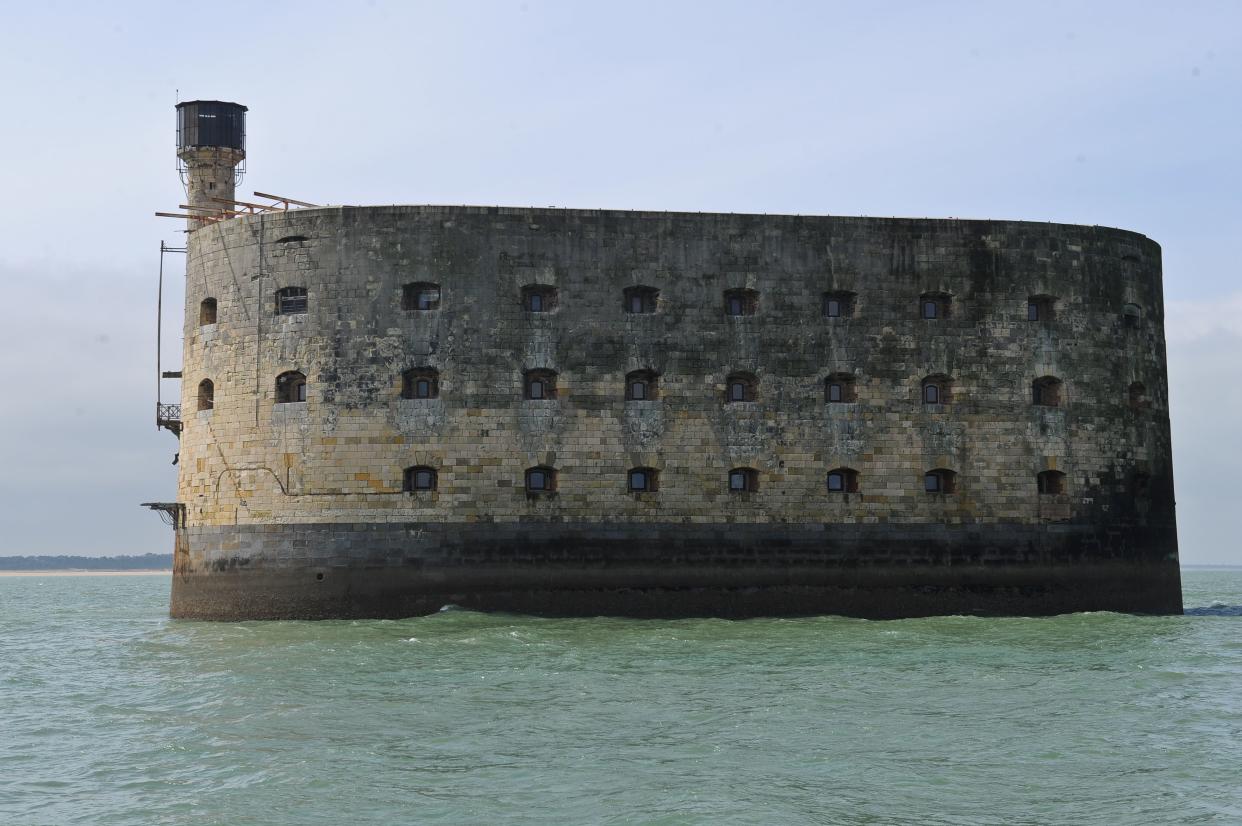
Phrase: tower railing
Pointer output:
(168, 416)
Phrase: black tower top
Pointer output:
(211, 123)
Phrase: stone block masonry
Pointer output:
(300, 508)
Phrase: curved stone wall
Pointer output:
(297, 508)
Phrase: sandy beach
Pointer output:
(86, 573)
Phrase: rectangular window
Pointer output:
(291, 300)
(638, 390)
(839, 304)
(834, 392)
(1032, 311)
(420, 296)
(743, 480)
(642, 481)
(640, 299)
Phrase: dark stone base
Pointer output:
(322, 571)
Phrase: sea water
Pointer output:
(110, 713)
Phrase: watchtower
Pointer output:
(211, 154)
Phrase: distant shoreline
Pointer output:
(44, 564)
(71, 572)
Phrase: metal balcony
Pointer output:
(168, 416)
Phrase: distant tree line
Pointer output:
(144, 562)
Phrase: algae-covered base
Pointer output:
(325, 571)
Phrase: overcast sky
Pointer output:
(1094, 113)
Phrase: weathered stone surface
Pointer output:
(278, 492)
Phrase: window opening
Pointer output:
(290, 387)
(940, 481)
(937, 390)
(642, 480)
(740, 387)
(839, 388)
(743, 480)
(741, 302)
(206, 395)
(291, 300)
(420, 478)
(538, 298)
(838, 304)
(540, 480)
(207, 312)
(1040, 308)
(420, 383)
(934, 305)
(420, 296)
(1051, 482)
(540, 384)
(641, 300)
(843, 480)
(641, 385)
(1046, 392)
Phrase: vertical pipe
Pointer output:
(258, 325)
(159, 336)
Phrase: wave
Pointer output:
(1216, 609)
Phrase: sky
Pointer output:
(1111, 113)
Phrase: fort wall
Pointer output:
(300, 508)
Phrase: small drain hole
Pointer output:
(319, 576)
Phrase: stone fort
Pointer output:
(388, 409)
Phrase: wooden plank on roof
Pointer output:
(286, 200)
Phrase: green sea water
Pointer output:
(110, 713)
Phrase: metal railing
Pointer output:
(168, 416)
